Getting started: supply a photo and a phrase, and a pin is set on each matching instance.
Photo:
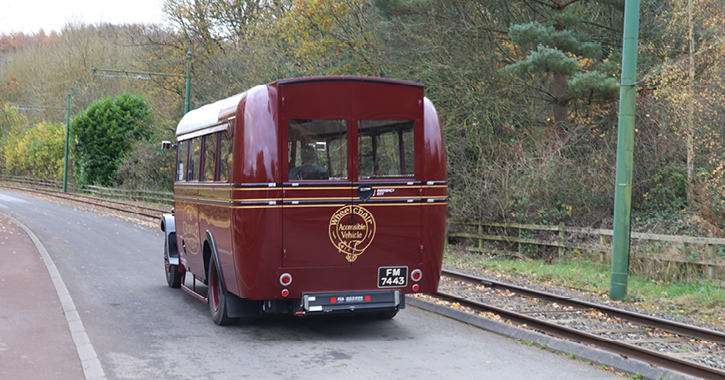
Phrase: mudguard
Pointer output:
(237, 307)
(168, 225)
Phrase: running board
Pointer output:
(192, 290)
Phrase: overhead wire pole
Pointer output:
(625, 154)
(187, 90)
(67, 139)
(187, 96)
(67, 124)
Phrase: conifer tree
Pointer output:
(559, 45)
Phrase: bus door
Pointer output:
(186, 194)
(386, 165)
(316, 130)
(389, 120)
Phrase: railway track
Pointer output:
(687, 349)
(129, 208)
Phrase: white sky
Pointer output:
(29, 16)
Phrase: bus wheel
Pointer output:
(173, 276)
(217, 297)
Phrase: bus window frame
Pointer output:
(199, 135)
(348, 159)
(202, 173)
(185, 162)
(230, 136)
(409, 176)
(190, 174)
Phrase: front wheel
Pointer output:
(217, 297)
(173, 275)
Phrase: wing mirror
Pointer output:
(167, 145)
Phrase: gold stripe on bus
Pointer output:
(241, 199)
(188, 199)
(306, 187)
(319, 187)
(256, 206)
(335, 205)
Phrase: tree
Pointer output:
(560, 44)
(687, 88)
(36, 151)
(11, 124)
(221, 21)
(333, 37)
(104, 132)
(42, 72)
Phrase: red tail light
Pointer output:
(285, 279)
(416, 275)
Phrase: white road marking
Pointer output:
(7, 198)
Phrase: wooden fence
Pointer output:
(162, 197)
(597, 242)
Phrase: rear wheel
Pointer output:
(173, 276)
(217, 297)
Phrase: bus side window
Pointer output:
(194, 158)
(225, 156)
(209, 157)
(182, 157)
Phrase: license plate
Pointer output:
(392, 277)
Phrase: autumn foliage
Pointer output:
(527, 90)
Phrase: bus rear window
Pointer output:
(317, 149)
(386, 149)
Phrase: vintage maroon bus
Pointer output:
(309, 196)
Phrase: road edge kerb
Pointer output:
(91, 365)
(580, 351)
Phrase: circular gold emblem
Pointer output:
(352, 229)
(190, 230)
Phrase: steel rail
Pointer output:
(625, 349)
(122, 203)
(670, 326)
(95, 202)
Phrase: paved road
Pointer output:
(141, 329)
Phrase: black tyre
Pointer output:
(173, 275)
(217, 297)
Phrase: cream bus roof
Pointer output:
(208, 115)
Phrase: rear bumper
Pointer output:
(348, 302)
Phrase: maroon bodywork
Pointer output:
(260, 223)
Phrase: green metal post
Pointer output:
(625, 148)
(67, 134)
(188, 82)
